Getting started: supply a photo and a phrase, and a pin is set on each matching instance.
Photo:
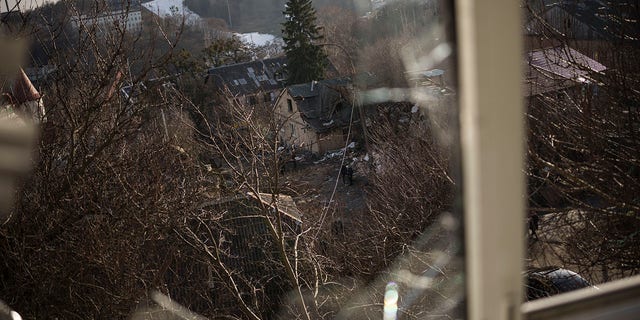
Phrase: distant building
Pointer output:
(125, 16)
(584, 20)
(252, 83)
(598, 29)
(315, 115)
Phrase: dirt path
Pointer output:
(321, 184)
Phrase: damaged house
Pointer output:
(316, 115)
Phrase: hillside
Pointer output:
(262, 16)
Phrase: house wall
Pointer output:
(331, 140)
(262, 98)
(295, 131)
(569, 106)
(567, 24)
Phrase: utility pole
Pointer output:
(229, 13)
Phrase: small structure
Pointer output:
(557, 68)
(246, 245)
(252, 83)
(315, 115)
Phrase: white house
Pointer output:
(119, 16)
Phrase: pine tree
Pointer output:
(306, 60)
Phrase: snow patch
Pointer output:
(257, 39)
(336, 153)
(330, 155)
(326, 124)
(169, 8)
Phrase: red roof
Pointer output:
(23, 90)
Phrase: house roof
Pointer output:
(285, 203)
(555, 68)
(19, 91)
(321, 103)
(249, 77)
(308, 89)
(605, 19)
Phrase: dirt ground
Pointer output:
(319, 184)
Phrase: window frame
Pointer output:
(489, 46)
(492, 130)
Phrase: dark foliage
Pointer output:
(301, 35)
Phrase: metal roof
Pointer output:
(556, 68)
(249, 77)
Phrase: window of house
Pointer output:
(289, 105)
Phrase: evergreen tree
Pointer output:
(306, 60)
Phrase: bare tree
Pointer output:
(262, 228)
(117, 170)
(583, 143)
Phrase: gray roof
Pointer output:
(560, 67)
(249, 77)
(322, 104)
(307, 90)
(286, 204)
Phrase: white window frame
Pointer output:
(492, 140)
